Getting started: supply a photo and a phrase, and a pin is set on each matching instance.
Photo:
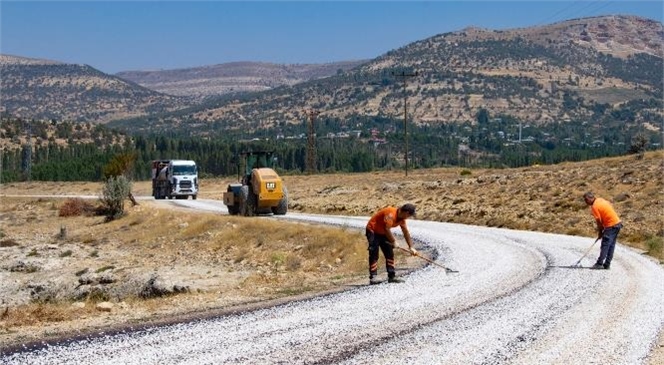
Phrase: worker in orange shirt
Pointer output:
(379, 235)
(608, 227)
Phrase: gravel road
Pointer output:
(515, 300)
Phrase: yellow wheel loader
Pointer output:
(260, 191)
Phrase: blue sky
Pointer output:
(130, 35)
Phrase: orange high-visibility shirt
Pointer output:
(604, 212)
(385, 219)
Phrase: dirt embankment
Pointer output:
(66, 274)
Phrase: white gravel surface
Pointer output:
(514, 301)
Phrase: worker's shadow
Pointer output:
(569, 267)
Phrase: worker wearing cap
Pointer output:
(608, 227)
(379, 235)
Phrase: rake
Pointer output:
(447, 269)
(587, 251)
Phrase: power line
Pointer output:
(594, 11)
(556, 14)
(575, 10)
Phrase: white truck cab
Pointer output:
(174, 179)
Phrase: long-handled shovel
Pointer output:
(447, 269)
(587, 251)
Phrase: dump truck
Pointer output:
(174, 179)
(260, 190)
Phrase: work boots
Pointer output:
(374, 281)
(395, 280)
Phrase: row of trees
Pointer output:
(452, 145)
(86, 162)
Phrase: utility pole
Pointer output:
(311, 140)
(405, 75)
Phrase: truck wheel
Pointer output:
(193, 197)
(233, 209)
(282, 207)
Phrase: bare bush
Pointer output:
(76, 207)
(8, 242)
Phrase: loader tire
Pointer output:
(247, 202)
(282, 207)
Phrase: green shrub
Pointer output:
(656, 247)
(115, 191)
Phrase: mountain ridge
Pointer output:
(562, 72)
(553, 76)
(243, 76)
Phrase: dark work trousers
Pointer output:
(378, 240)
(609, 237)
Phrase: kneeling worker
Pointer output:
(379, 235)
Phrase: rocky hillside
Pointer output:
(576, 70)
(232, 77)
(619, 36)
(43, 89)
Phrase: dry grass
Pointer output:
(538, 198)
(227, 260)
(36, 314)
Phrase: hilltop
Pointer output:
(43, 89)
(571, 71)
